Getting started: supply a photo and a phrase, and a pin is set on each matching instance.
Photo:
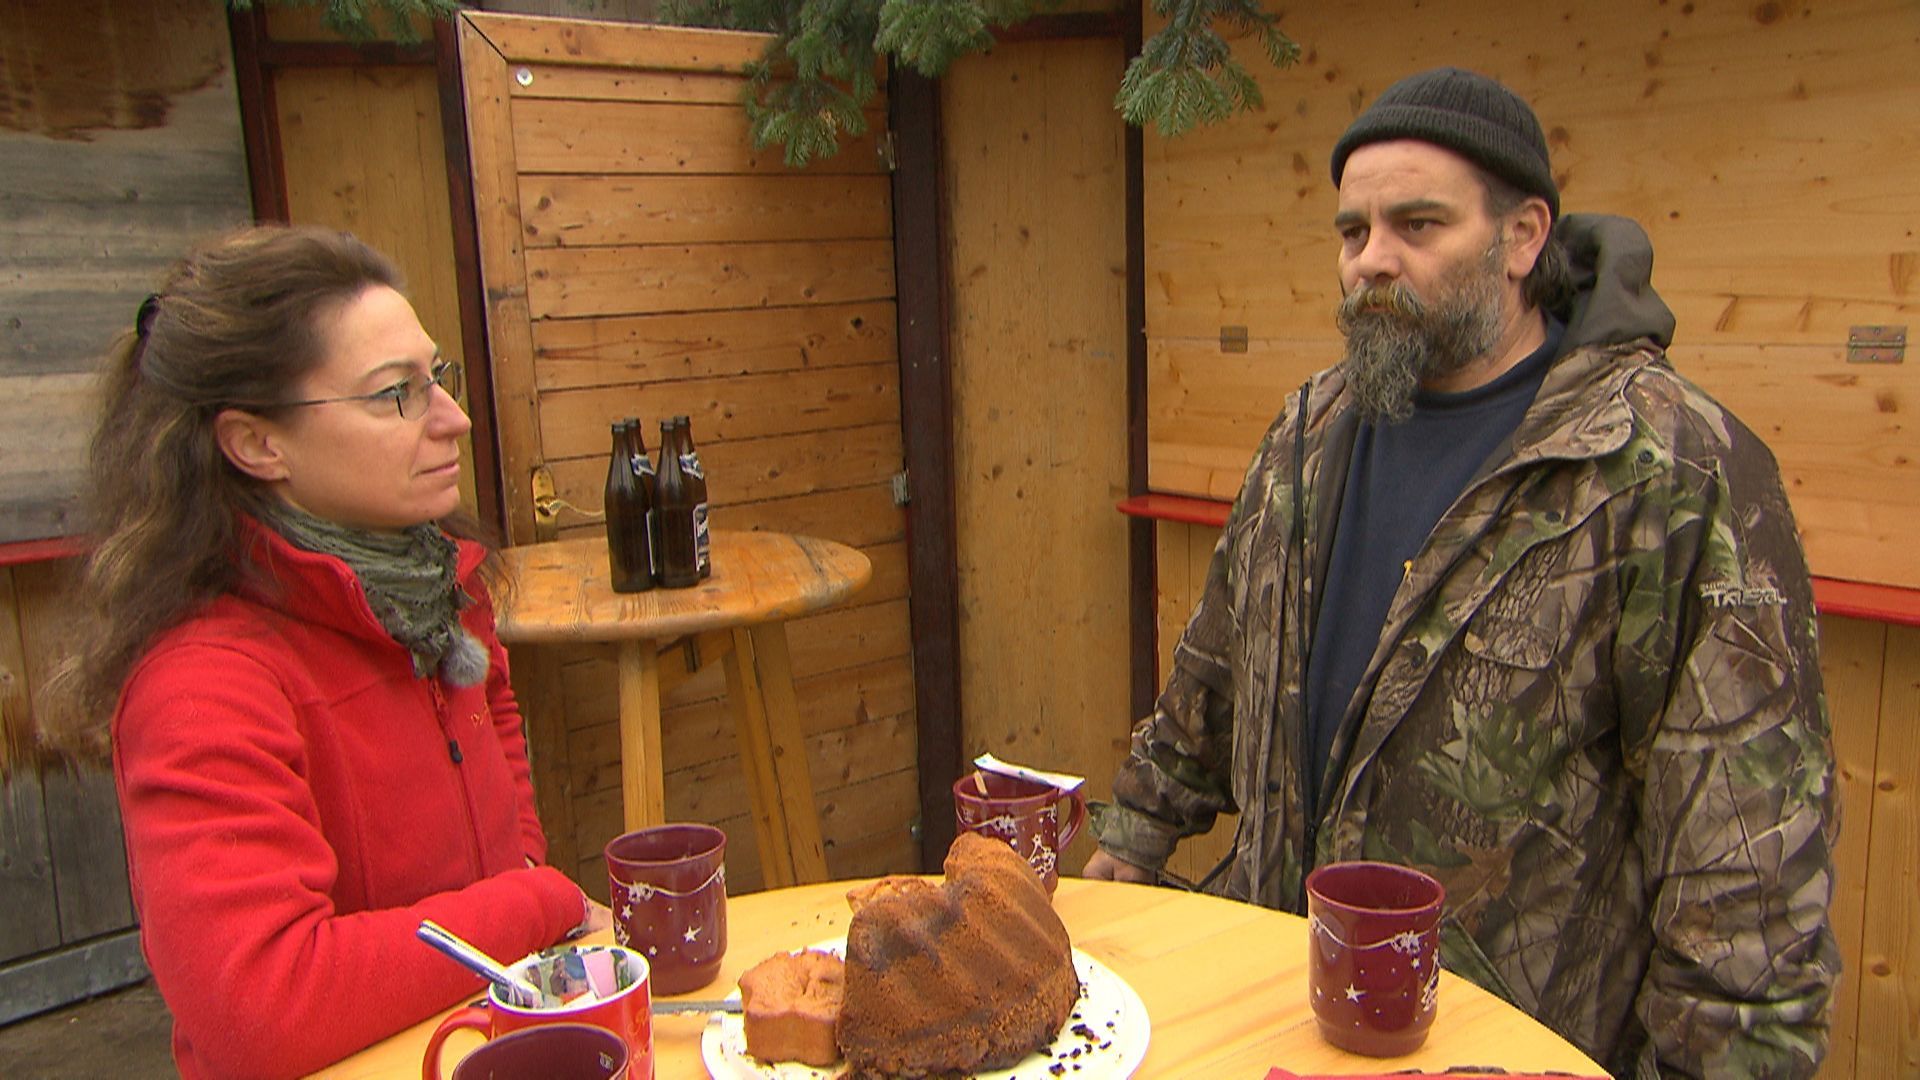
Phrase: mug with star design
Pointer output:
(1373, 963)
(667, 885)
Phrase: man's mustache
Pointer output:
(1392, 299)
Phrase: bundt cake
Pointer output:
(965, 976)
(789, 1004)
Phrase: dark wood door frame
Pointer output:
(921, 256)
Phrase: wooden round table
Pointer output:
(562, 592)
(1224, 983)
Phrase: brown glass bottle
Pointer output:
(676, 554)
(690, 461)
(629, 549)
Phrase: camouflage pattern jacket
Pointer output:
(1594, 711)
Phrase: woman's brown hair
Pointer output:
(235, 323)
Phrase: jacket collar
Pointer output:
(318, 588)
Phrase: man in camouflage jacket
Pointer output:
(1593, 711)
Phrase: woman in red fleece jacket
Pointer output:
(313, 736)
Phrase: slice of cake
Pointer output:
(789, 1005)
(966, 976)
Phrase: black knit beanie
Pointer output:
(1469, 114)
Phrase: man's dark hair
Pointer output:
(1549, 286)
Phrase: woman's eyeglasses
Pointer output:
(410, 397)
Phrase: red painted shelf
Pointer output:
(31, 551)
(1831, 596)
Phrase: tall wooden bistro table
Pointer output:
(1224, 983)
(561, 593)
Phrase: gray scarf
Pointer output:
(411, 581)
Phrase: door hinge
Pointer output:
(902, 490)
(1876, 344)
(887, 148)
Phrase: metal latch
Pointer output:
(1233, 339)
(1876, 344)
(547, 505)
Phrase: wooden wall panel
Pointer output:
(1853, 665)
(113, 160)
(1034, 162)
(574, 423)
(579, 211)
(626, 137)
(1889, 964)
(1774, 235)
(1184, 552)
(1207, 409)
(653, 348)
(656, 265)
(642, 279)
(27, 893)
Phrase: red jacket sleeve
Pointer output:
(232, 877)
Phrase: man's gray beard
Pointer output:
(1395, 340)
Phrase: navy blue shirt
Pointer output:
(1403, 477)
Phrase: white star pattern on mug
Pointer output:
(1354, 993)
(692, 934)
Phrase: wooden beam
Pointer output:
(58, 978)
(278, 54)
(1066, 26)
(1143, 571)
(466, 278)
(926, 392)
(259, 115)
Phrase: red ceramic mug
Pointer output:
(552, 1052)
(1024, 813)
(668, 888)
(1373, 965)
(627, 1012)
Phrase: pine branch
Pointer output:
(354, 19)
(817, 75)
(1186, 75)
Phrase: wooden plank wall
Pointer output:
(669, 268)
(1766, 148)
(1036, 191)
(112, 159)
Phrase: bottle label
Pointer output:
(642, 465)
(691, 463)
(701, 539)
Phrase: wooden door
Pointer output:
(639, 258)
(1034, 164)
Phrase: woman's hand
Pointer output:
(599, 917)
(1104, 867)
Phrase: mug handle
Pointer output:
(474, 1017)
(1076, 817)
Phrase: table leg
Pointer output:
(748, 703)
(642, 782)
(791, 773)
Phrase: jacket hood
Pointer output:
(1614, 301)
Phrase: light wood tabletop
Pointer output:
(561, 591)
(1224, 984)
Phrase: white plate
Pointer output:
(1108, 1009)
